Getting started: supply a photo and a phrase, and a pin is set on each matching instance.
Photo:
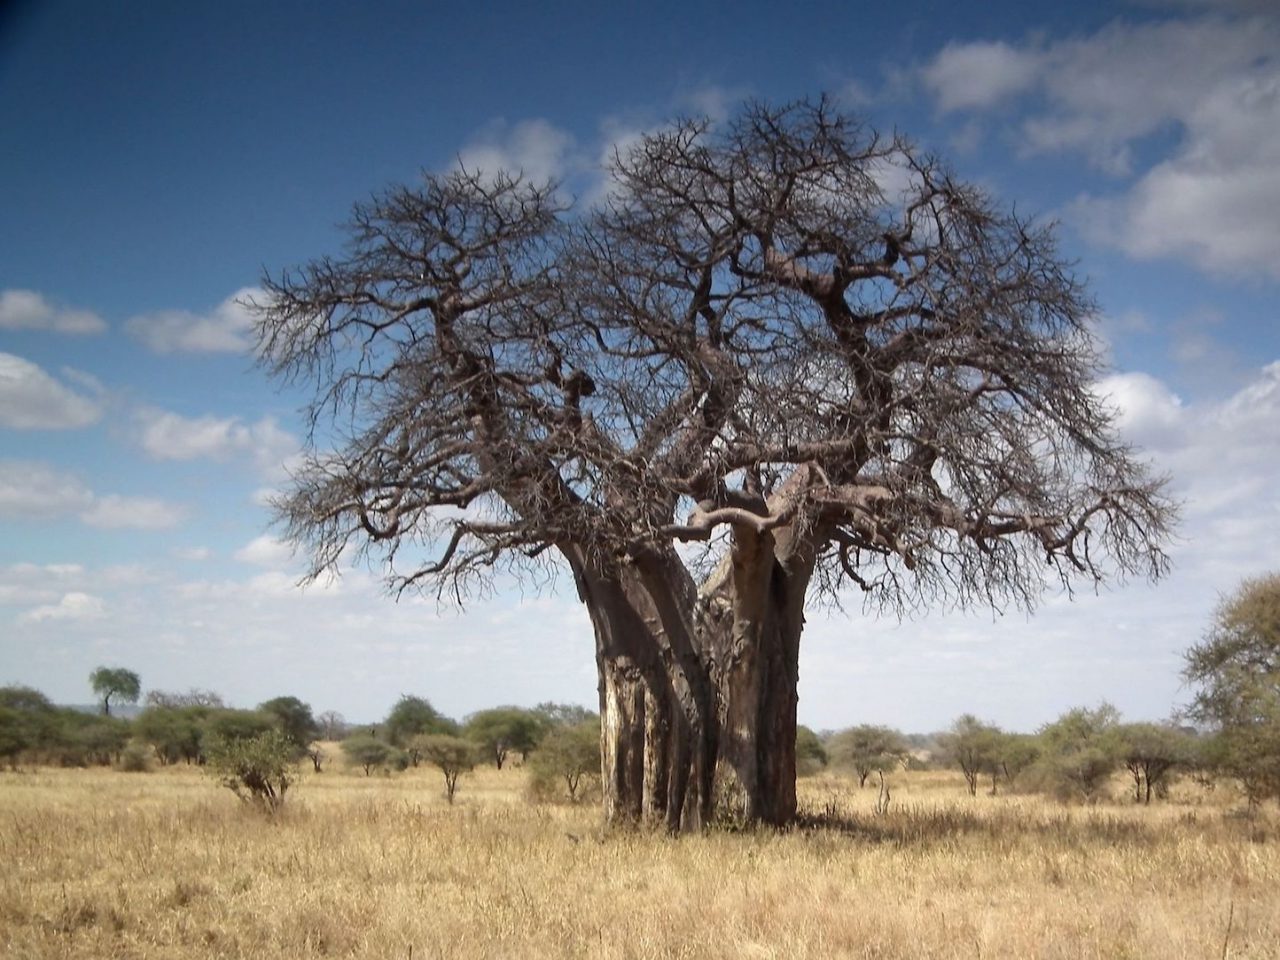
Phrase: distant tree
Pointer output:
(194, 697)
(563, 714)
(229, 724)
(1237, 670)
(1081, 750)
(258, 769)
(28, 723)
(116, 682)
(1014, 752)
(15, 737)
(333, 725)
(175, 733)
(973, 746)
(25, 699)
(93, 740)
(294, 720)
(569, 755)
(1152, 753)
(811, 755)
(504, 729)
(453, 756)
(364, 751)
(867, 749)
(411, 717)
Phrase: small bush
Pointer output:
(135, 758)
(567, 761)
(259, 770)
(453, 756)
(362, 750)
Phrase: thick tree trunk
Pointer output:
(754, 614)
(698, 689)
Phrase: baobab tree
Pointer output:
(805, 347)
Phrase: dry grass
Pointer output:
(99, 864)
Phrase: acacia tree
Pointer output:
(804, 345)
(108, 682)
(868, 748)
(410, 718)
(1152, 753)
(502, 729)
(1237, 670)
(974, 747)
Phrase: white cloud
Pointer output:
(1216, 202)
(29, 310)
(31, 490)
(265, 551)
(1222, 458)
(979, 75)
(31, 399)
(193, 554)
(224, 329)
(1214, 83)
(171, 436)
(72, 606)
(114, 512)
(536, 148)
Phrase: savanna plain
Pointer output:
(101, 863)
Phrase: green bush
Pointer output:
(362, 750)
(453, 756)
(258, 769)
(567, 762)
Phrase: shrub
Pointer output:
(453, 756)
(362, 750)
(134, 758)
(566, 761)
(259, 769)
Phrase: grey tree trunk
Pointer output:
(698, 689)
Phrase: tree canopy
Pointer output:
(108, 682)
(1237, 670)
(803, 344)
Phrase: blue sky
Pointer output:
(156, 157)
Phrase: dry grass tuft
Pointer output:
(111, 865)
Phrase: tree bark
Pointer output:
(698, 688)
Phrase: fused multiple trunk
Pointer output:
(805, 346)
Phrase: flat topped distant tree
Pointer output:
(107, 682)
(804, 345)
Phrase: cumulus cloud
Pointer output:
(224, 329)
(37, 491)
(1216, 202)
(265, 551)
(1214, 199)
(536, 148)
(114, 512)
(980, 75)
(29, 310)
(170, 436)
(72, 606)
(32, 490)
(30, 399)
(1222, 458)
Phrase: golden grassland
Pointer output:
(102, 864)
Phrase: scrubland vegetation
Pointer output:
(100, 863)
(421, 835)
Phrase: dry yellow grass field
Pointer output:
(102, 864)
